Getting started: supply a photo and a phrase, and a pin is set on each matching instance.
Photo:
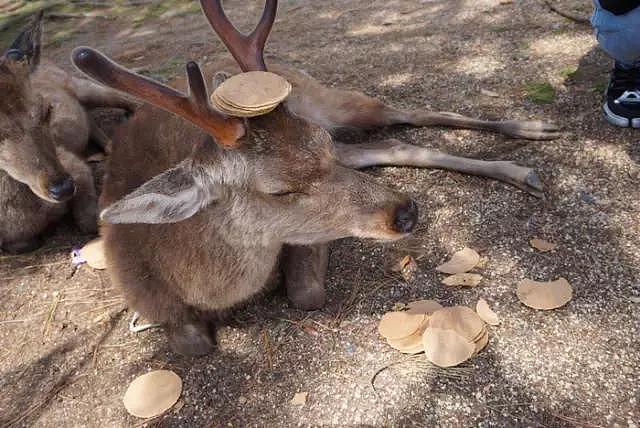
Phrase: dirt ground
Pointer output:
(67, 356)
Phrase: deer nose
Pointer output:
(62, 189)
(406, 217)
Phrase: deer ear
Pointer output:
(25, 49)
(170, 197)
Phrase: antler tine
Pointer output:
(195, 107)
(246, 49)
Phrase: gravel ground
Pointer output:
(67, 356)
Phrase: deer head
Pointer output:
(276, 174)
(27, 152)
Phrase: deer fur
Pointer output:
(195, 225)
(44, 130)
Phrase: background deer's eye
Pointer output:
(284, 193)
(45, 115)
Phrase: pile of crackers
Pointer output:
(251, 94)
(447, 335)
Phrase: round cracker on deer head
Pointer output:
(427, 307)
(152, 393)
(544, 295)
(239, 112)
(253, 90)
(484, 311)
(401, 324)
(446, 348)
(461, 319)
(462, 261)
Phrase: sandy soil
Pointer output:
(67, 355)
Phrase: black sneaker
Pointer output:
(623, 97)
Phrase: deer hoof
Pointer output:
(530, 129)
(532, 180)
(191, 340)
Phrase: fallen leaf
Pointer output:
(484, 311)
(152, 394)
(544, 295)
(542, 245)
(463, 279)
(461, 262)
(93, 254)
(299, 399)
(634, 299)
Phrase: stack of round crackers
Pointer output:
(403, 329)
(251, 94)
(448, 336)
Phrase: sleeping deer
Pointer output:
(199, 218)
(44, 128)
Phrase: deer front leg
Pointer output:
(305, 269)
(84, 205)
(396, 153)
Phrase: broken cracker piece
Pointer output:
(463, 279)
(484, 311)
(462, 261)
(542, 245)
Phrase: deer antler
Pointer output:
(246, 49)
(194, 107)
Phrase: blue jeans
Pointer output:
(618, 35)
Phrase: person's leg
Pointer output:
(619, 36)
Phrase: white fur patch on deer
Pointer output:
(152, 394)
(544, 295)
(93, 254)
(463, 280)
(251, 94)
(461, 262)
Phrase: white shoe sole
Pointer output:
(618, 120)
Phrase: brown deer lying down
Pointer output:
(196, 225)
(43, 129)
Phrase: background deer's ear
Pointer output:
(170, 197)
(25, 49)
